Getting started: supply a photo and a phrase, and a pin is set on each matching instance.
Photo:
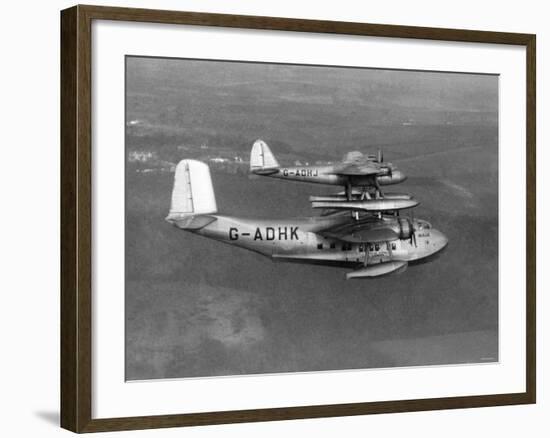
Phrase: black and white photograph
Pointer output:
(266, 219)
(287, 218)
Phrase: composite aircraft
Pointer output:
(354, 171)
(371, 243)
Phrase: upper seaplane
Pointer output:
(366, 172)
(373, 243)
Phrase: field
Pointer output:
(196, 307)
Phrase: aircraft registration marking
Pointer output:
(266, 233)
(301, 172)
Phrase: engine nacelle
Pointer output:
(405, 228)
(396, 177)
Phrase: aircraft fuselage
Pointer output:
(328, 175)
(297, 240)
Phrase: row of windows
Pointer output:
(348, 247)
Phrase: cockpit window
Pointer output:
(423, 225)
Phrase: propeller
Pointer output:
(413, 229)
(380, 160)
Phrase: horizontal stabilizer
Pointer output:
(264, 171)
(393, 267)
(193, 222)
(367, 204)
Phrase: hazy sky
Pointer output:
(446, 91)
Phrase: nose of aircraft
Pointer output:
(439, 240)
(398, 176)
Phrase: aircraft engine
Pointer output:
(405, 228)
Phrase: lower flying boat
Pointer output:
(371, 244)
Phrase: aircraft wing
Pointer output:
(358, 170)
(365, 234)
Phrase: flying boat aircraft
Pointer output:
(373, 242)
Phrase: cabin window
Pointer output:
(346, 247)
(371, 248)
(361, 248)
(319, 246)
(377, 247)
(393, 246)
(332, 245)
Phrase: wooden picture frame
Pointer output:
(76, 218)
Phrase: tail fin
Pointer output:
(192, 196)
(262, 161)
